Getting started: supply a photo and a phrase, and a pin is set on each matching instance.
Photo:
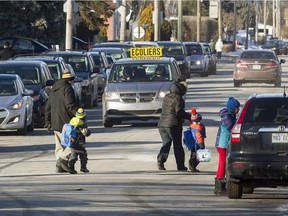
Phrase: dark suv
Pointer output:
(84, 67)
(258, 152)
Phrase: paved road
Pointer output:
(124, 179)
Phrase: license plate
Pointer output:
(279, 137)
(256, 67)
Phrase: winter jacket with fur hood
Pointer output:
(173, 108)
(61, 105)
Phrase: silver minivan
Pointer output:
(136, 87)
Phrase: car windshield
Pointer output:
(141, 73)
(271, 43)
(8, 87)
(257, 55)
(78, 63)
(172, 49)
(194, 50)
(267, 110)
(30, 75)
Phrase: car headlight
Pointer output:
(163, 93)
(102, 80)
(112, 96)
(198, 62)
(180, 62)
(16, 105)
(85, 82)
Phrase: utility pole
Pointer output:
(274, 17)
(123, 21)
(265, 15)
(180, 21)
(278, 14)
(219, 20)
(256, 21)
(247, 24)
(198, 21)
(69, 25)
(156, 20)
(234, 25)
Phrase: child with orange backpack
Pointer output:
(194, 138)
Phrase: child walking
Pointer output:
(199, 134)
(79, 121)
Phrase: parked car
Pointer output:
(199, 60)
(278, 46)
(258, 152)
(16, 105)
(125, 46)
(56, 66)
(139, 96)
(116, 52)
(23, 45)
(84, 67)
(35, 76)
(143, 43)
(100, 61)
(258, 66)
(177, 50)
(212, 58)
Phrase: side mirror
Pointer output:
(96, 70)
(181, 78)
(28, 92)
(50, 82)
(282, 61)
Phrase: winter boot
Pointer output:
(84, 169)
(71, 165)
(62, 165)
(193, 164)
(220, 186)
(160, 162)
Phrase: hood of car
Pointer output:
(7, 100)
(84, 75)
(176, 57)
(139, 87)
(195, 57)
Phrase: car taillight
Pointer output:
(240, 64)
(235, 133)
(272, 64)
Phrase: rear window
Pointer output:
(257, 55)
(267, 110)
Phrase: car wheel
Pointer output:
(234, 190)
(107, 123)
(23, 131)
(30, 128)
(248, 190)
(236, 83)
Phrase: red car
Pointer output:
(258, 66)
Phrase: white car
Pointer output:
(16, 105)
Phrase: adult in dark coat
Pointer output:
(170, 126)
(60, 108)
(7, 52)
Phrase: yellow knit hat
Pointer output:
(80, 113)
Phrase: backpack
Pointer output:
(69, 135)
(189, 139)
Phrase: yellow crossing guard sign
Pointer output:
(146, 52)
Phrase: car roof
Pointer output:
(267, 95)
(39, 58)
(112, 44)
(169, 42)
(8, 76)
(258, 50)
(26, 38)
(144, 60)
(66, 52)
(21, 62)
(193, 43)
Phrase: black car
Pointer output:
(177, 50)
(23, 45)
(278, 46)
(56, 66)
(35, 76)
(125, 46)
(84, 67)
(257, 155)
